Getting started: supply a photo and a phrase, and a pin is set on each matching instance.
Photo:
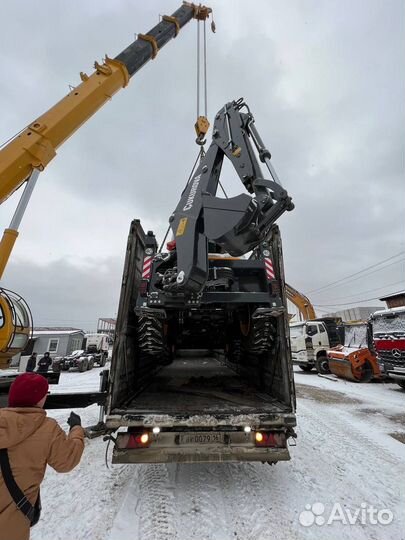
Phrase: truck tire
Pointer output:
(305, 367)
(322, 365)
(103, 361)
(401, 384)
(90, 364)
(83, 366)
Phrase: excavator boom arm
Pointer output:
(238, 224)
(36, 145)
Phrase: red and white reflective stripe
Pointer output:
(269, 268)
(147, 267)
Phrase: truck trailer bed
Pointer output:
(203, 385)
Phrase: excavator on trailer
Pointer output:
(27, 154)
(201, 365)
(201, 284)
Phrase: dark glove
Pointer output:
(74, 420)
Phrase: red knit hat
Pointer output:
(27, 390)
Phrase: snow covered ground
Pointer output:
(347, 459)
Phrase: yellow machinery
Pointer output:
(25, 156)
(303, 304)
(15, 325)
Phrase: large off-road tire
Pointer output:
(305, 367)
(322, 365)
(103, 361)
(90, 364)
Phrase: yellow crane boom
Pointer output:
(36, 145)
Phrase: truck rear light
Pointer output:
(259, 437)
(138, 440)
(270, 439)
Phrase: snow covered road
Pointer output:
(349, 457)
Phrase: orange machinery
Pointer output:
(356, 359)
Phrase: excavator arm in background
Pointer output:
(303, 304)
(237, 224)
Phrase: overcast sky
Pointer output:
(325, 81)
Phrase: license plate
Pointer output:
(202, 438)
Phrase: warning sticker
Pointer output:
(181, 226)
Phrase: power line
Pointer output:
(360, 272)
(372, 290)
(357, 301)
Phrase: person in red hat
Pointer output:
(29, 441)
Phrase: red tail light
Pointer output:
(274, 439)
(138, 440)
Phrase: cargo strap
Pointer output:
(18, 496)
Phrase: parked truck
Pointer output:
(389, 341)
(97, 345)
(310, 341)
(94, 351)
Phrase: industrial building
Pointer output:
(394, 300)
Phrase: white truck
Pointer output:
(97, 345)
(310, 340)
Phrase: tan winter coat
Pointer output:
(33, 440)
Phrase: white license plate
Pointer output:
(202, 438)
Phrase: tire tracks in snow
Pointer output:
(155, 503)
(200, 513)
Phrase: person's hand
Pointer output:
(74, 420)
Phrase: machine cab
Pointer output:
(15, 325)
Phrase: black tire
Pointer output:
(83, 366)
(401, 384)
(90, 365)
(322, 365)
(305, 367)
(103, 361)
